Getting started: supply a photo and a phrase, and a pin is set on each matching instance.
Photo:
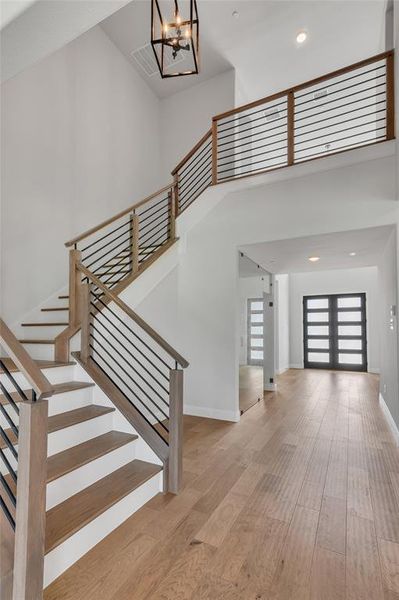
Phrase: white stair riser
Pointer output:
(54, 375)
(77, 434)
(44, 333)
(69, 436)
(40, 351)
(67, 553)
(59, 403)
(62, 488)
(52, 316)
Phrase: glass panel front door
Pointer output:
(334, 328)
(255, 331)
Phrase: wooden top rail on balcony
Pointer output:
(25, 363)
(135, 317)
(306, 84)
(124, 212)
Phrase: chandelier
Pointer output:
(174, 37)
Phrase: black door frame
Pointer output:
(333, 336)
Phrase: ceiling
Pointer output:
(291, 256)
(260, 44)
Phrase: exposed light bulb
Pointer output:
(301, 37)
(352, 253)
(187, 33)
(314, 258)
(178, 19)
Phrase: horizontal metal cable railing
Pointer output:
(122, 245)
(23, 461)
(9, 432)
(194, 175)
(135, 359)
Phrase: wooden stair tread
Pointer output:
(59, 388)
(67, 419)
(64, 462)
(42, 364)
(41, 324)
(68, 460)
(63, 297)
(60, 308)
(70, 516)
(36, 341)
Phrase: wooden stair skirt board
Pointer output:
(74, 526)
(43, 324)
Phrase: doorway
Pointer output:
(335, 332)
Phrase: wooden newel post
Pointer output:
(175, 431)
(31, 501)
(390, 97)
(134, 242)
(214, 152)
(75, 282)
(86, 320)
(290, 128)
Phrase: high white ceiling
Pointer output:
(291, 256)
(260, 44)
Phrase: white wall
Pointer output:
(387, 291)
(345, 198)
(339, 281)
(282, 324)
(187, 116)
(80, 141)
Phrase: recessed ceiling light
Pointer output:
(314, 258)
(301, 37)
(235, 14)
(352, 253)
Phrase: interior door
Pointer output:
(255, 331)
(335, 332)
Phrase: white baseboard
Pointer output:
(296, 366)
(282, 370)
(270, 387)
(212, 413)
(389, 418)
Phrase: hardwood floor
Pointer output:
(251, 386)
(298, 501)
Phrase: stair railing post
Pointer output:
(172, 216)
(176, 193)
(75, 282)
(86, 322)
(390, 97)
(214, 152)
(31, 501)
(290, 128)
(175, 466)
(135, 242)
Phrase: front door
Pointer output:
(334, 327)
(255, 331)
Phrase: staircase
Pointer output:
(88, 436)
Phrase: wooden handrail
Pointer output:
(306, 84)
(135, 317)
(124, 212)
(192, 151)
(25, 363)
